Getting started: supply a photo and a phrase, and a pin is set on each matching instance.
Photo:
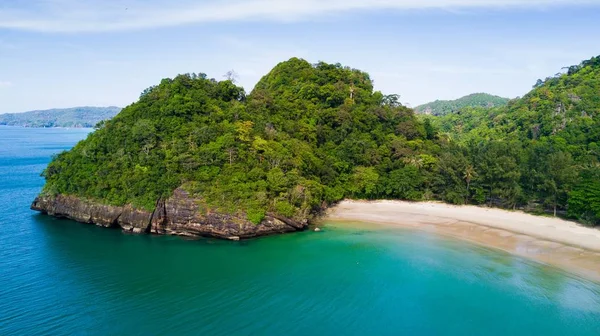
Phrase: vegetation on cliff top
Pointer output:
(84, 116)
(443, 107)
(309, 135)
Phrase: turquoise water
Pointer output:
(59, 277)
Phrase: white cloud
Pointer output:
(105, 15)
(4, 84)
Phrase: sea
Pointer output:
(60, 277)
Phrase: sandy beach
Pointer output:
(551, 241)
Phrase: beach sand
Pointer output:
(551, 241)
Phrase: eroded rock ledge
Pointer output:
(178, 215)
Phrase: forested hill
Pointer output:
(85, 116)
(312, 134)
(541, 151)
(443, 107)
(306, 136)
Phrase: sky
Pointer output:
(65, 53)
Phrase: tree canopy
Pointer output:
(552, 135)
(307, 135)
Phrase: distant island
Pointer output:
(200, 157)
(443, 107)
(76, 117)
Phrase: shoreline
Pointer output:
(52, 127)
(550, 241)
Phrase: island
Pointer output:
(200, 157)
(74, 117)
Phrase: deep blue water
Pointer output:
(58, 277)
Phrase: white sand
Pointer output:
(549, 240)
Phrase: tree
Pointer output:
(430, 131)
(469, 175)
(231, 76)
(403, 183)
(363, 181)
(584, 199)
(560, 176)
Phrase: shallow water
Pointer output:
(60, 277)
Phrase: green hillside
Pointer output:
(309, 135)
(552, 138)
(306, 136)
(443, 107)
(85, 116)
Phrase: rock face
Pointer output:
(178, 215)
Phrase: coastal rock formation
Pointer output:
(178, 215)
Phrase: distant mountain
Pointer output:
(443, 107)
(85, 116)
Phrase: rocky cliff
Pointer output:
(177, 215)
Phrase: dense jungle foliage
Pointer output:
(309, 135)
(443, 107)
(540, 152)
(306, 135)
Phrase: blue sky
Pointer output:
(63, 53)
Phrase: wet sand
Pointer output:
(551, 241)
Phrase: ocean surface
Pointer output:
(59, 277)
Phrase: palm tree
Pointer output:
(469, 175)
